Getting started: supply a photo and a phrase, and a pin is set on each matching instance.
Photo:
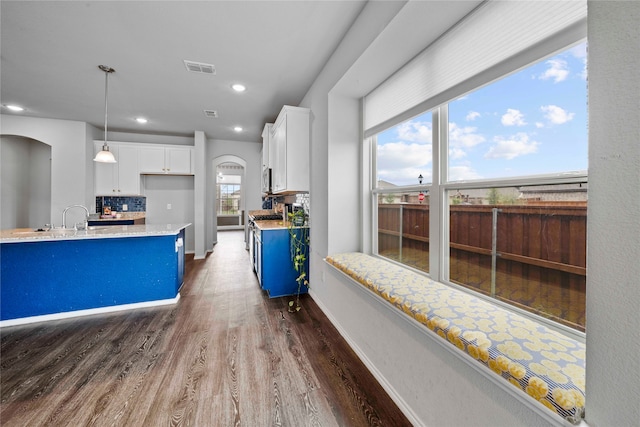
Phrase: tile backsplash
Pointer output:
(134, 203)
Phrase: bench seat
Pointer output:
(543, 363)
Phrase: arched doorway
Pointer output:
(212, 196)
(229, 196)
(25, 171)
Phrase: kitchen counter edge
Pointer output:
(275, 224)
(104, 232)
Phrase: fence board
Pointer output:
(542, 252)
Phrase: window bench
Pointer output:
(546, 365)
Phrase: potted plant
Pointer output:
(299, 251)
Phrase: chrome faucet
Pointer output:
(64, 216)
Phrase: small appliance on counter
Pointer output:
(286, 210)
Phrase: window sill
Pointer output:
(541, 367)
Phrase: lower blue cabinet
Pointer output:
(277, 275)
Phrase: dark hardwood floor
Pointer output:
(224, 355)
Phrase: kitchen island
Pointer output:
(55, 274)
(272, 258)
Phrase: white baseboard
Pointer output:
(397, 399)
(87, 312)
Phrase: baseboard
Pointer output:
(87, 312)
(397, 399)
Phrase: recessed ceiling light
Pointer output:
(141, 120)
(237, 129)
(238, 87)
(14, 107)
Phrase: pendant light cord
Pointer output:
(106, 70)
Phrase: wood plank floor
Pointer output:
(225, 355)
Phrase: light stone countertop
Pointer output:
(274, 224)
(124, 216)
(23, 235)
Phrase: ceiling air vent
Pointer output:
(199, 67)
(211, 113)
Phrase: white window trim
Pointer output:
(439, 211)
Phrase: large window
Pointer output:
(503, 172)
(228, 199)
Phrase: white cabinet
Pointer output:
(266, 146)
(121, 178)
(290, 160)
(266, 160)
(135, 159)
(279, 160)
(165, 160)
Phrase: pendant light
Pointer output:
(105, 156)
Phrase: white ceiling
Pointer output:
(50, 52)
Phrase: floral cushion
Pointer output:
(545, 364)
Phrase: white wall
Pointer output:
(39, 183)
(71, 150)
(177, 191)
(200, 226)
(613, 226)
(372, 20)
(25, 198)
(434, 388)
(14, 154)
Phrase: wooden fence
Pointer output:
(538, 262)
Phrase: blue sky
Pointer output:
(531, 122)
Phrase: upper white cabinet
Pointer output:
(121, 178)
(290, 158)
(165, 160)
(135, 159)
(266, 146)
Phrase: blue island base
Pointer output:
(66, 278)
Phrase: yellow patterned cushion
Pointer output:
(545, 364)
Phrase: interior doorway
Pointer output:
(25, 168)
(229, 196)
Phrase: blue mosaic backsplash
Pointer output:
(134, 204)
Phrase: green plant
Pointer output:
(299, 251)
(494, 197)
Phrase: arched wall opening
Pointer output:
(25, 172)
(217, 161)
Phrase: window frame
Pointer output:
(439, 212)
(220, 199)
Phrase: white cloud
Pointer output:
(513, 118)
(400, 162)
(512, 147)
(456, 153)
(396, 155)
(472, 116)
(463, 173)
(584, 73)
(579, 51)
(539, 125)
(464, 137)
(556, 115)
(557, 70)
(415, 131)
